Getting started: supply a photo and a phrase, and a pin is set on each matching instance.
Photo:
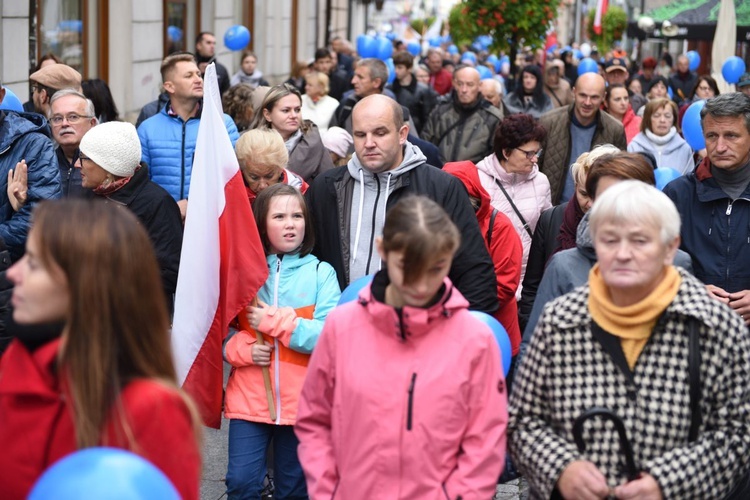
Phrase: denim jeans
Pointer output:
(248, 444)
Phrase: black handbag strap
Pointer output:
(492, 225)
(694, 373)
(515, 208)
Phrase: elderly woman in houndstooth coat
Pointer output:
(623, 342)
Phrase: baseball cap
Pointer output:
(615, 64)
(744, 81)
(58, 77)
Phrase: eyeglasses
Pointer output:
(81, 158)
(531, 154)
(72, 118)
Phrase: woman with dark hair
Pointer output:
(104, 104)
(529, 97)
(705, 88)
(300, 69)
(91, 363)
(657, 89)
(512, 178)
(617, 104)
(281, 111)
(238, 103)
(248, 72)
(660, 136)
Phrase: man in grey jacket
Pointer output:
(463, 123)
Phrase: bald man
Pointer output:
(463, 123)
(349, 203)
(575, 129)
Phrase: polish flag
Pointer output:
(222, 265)
(601, 9)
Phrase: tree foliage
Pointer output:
(510, 23)
(614, 24)
(420, 25)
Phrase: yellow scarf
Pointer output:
(632, 324)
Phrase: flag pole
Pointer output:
(245, 325)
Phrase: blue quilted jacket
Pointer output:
(22, 137)
(168, 148)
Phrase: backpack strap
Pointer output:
(515, 208)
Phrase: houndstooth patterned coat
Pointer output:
(568, 371)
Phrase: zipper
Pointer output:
(182, 159)
(410, 409)
(276, 372)
(374, 217)
(402, 332)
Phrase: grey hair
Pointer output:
(90, 111)
(498, 85)
(377, 68)
(732, 104)
(435, 50)
(635, 202)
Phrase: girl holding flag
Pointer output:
(291, 308)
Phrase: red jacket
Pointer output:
(631, 123)
(505, 249)
(442, 81)
(36, 428)
(403, 403)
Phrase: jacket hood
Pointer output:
(467, 173)
(492, 167)
(14, 125)
(584, 242)
(410, 321)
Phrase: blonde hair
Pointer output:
(262, 147)
(321, 78)
(580, 169)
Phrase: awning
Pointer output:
(695, 19)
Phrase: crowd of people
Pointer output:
(525, 192)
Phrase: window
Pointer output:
(59, 25)
(175, 26)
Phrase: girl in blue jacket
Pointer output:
(291, 308)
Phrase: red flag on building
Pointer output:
(222, 265)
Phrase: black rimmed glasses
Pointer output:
(531, 154)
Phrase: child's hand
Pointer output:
(255, 314)
(262, 354)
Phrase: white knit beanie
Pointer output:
(114, 146)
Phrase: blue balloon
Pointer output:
(485, 73)
(110, 473)
(414, 48)
(664, 176)
(694, 59)
(578, 54)
(11, 102)
(390, 36)
(469, 56)
(670, 92)
(503, 341)
(174, 33)
(453, 50)
(385, 48)
(447, 38)
(391, 69)
(587, 65)
(692, 129)
(435, 41)
(237, 37)
(492, 59)
(351, 292)
(367, 46)
(732, 69)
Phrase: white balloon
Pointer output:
(585, 49)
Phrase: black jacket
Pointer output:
(472, 272)
(152, 108)
(70, 175)
(160, 215)
(418, 97)
(543, 245)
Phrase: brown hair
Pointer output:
(169, 63)
(653, 106)
(117, 326)
(274, 95)
(262, 205)
(237, 103)
(622, 166)
(403, 58)
(421, 229)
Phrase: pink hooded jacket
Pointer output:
(403, 404)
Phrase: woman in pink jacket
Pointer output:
(404, 395)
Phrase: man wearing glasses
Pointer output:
(25, 149)
(71, 116)
(50, 79)
(575, 129)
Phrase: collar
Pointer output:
(575, 122)
(196, 112)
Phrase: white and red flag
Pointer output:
(222, 265)
(601, 9)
